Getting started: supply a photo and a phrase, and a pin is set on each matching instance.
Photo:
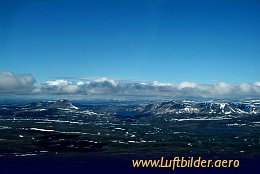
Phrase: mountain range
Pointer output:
(136, 109)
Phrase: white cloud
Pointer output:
(224, 88)
(105, 86)
(57, 82)
(71, 89)
(60, 87)
(257, 83)
(187, 85)
(16, 82)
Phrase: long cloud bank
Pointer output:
(26, 84)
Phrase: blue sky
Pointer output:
(166, 41)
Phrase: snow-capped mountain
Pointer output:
(46, 108)
(62, 104)
(209, 108)
(136, 109)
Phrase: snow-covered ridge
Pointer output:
(57, 107)
(184, 107)
(63, 104)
